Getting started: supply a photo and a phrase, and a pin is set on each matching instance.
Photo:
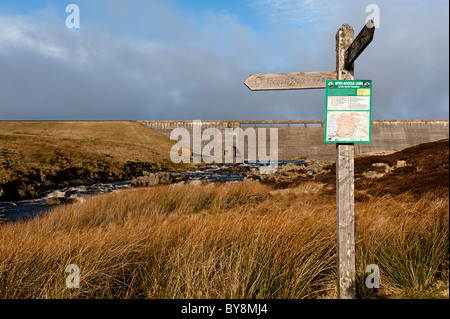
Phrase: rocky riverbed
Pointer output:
(291, 173)
(22, 209)
(286, 173)
(37, 182)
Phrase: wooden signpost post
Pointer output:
(347, 51)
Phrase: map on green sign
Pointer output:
(348, 111)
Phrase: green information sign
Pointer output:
(348, 111)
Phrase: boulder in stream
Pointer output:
(158, 178)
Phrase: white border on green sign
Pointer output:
(370, 111)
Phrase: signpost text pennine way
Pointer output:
(348, 118)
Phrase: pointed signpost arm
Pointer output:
(359, 44)
(289, 81)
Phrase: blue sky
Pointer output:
(188, 59)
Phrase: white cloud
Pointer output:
(154, 62)
(295, 13)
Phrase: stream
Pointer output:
(213, 173)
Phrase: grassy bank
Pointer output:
(224, 241)
(40, 155)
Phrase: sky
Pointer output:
(188, 59)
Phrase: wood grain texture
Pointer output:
(359, 44)
(345, 218)
(289, 81)
(345, 202)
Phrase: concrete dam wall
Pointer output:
(306, 138)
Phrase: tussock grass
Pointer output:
(221, 241)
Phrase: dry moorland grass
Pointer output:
(39, 156)
(55, 145)
(223, 241)
(417, 170)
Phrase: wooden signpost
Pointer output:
(347, 51)
(289, 81)
(359, 44)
